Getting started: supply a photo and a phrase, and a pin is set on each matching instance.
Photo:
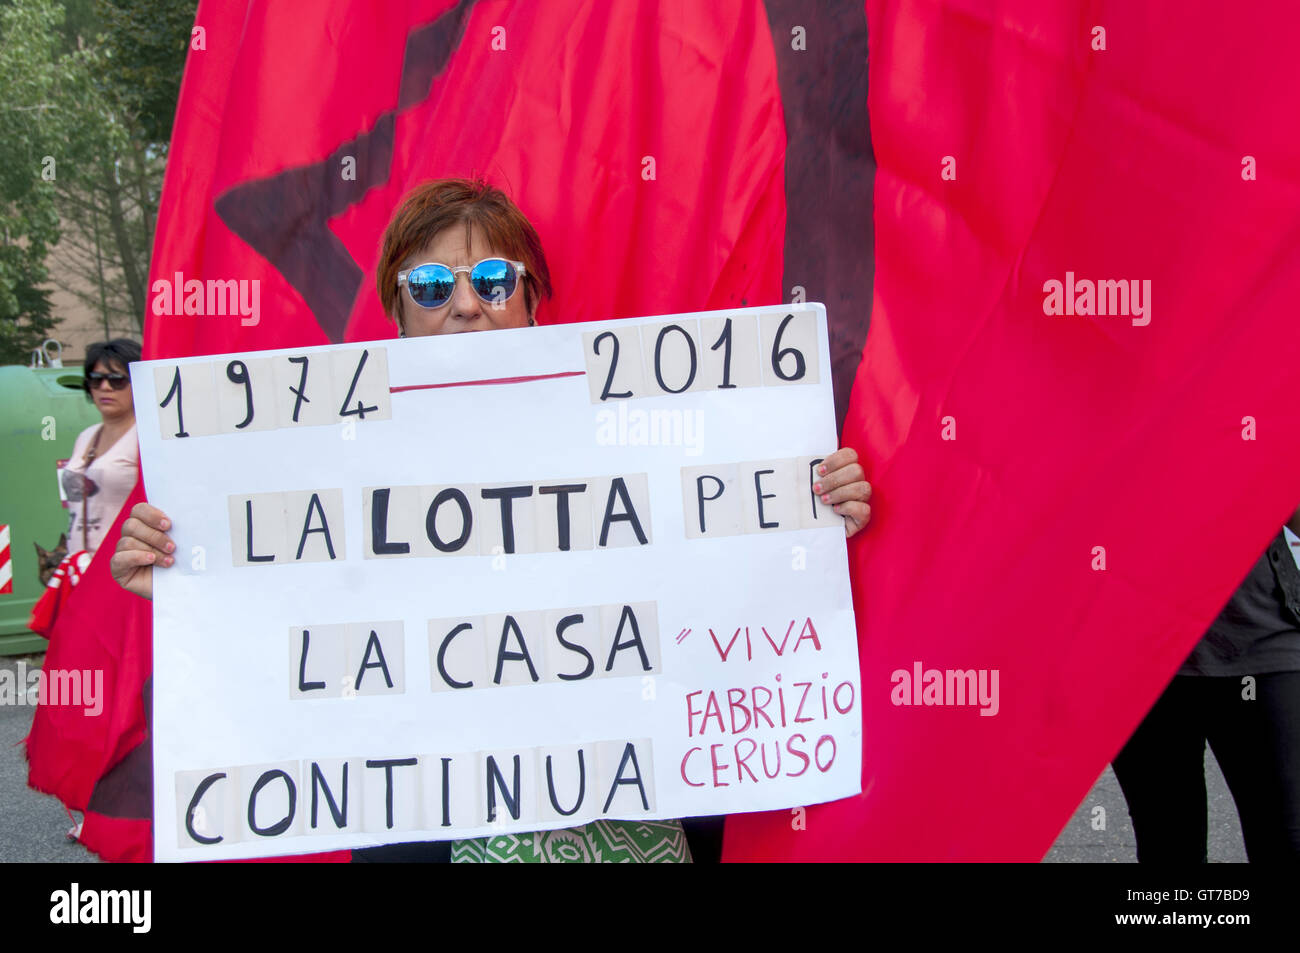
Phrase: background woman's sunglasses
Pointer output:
(494, 280)
(115, 381)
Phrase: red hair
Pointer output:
(439, 204)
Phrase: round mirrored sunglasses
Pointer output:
(494, 280)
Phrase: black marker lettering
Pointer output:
(282, 825)
(442, 657)
(503, 656)
(627, 616)
(618, 488)
(495, 781)
(379, 544)
(340, 814)
(564, 623)
(300, 392)
(314, 505)
(582, 787)
(303, 684)
(199, 791)
(758, 492)
(629, 754)
(507, 496)
(388, 766)
(466, 520)
(562, 509)
(699, 493)
(446, 792)
(248, 511)
(373, 643)
(812, 479)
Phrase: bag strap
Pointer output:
(86, 461)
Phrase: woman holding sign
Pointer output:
(444, 230)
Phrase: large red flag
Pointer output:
(1066, 499)
(685, 156)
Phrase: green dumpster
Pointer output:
(42, 410)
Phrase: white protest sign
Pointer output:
(462, 585)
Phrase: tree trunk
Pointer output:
(126, 252)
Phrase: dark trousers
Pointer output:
(1257, 744)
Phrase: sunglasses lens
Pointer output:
(115, 381)
(430, 285)
(494, 279)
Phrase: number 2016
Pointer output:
(786, 362)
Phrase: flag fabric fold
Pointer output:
(1064, 498)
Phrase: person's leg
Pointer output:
(1280, 694)
(704, 836)
(1256, 739)
(1161, 771)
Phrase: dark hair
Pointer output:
(437, 205)
(117, 351)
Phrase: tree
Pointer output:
(129, 73)
(88, 91)
(32, 83)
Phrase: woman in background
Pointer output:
(105, 459)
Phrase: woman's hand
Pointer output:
(843, 483)
(144, 544)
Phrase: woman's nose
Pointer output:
(464, 302)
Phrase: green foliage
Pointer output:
(32, 84)
(88, 92)
(145, 43)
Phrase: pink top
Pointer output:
(105, 485)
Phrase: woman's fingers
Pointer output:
(151, 516)
(842, 482)
(840, 458)
(136, 528)
(130, 544)
(857, 492)
(834, 479)
(856, 515)
(132, 570)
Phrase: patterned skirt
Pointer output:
(600, 842)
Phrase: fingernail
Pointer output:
(166, 524)
(167, 561)
(171, 547)
(836, 507)
(151, 557)
(817, 487)
(826, 497)
(822, 469)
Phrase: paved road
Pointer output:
(33, 827)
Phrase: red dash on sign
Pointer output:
(493, 380)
